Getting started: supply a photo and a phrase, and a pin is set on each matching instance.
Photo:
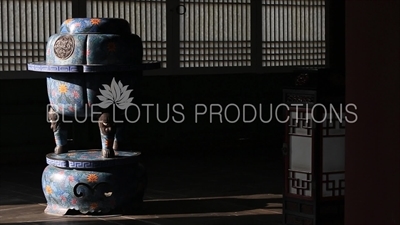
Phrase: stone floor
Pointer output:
(232, 189)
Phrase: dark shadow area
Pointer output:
(182, 206)
(270, 219)
(194, 206)
(21, 184)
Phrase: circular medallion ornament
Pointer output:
(64, 46)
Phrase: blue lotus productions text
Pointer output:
(228, 113)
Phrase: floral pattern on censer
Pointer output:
(59, 185)
(74, 95)
(67, 96)
(95, 189)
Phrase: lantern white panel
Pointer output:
(300, 123)
(333, 154)
(334, 124)
(333, 184)
(300, 153)
(300, 183)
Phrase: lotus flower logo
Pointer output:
(116, 94)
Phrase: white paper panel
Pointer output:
(333, 154)
(300, 153)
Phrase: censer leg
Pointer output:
(60, 132)
(107, 133)
(120, 140)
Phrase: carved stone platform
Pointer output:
(84, 181)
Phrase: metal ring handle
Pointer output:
(285, 149)
(178, 9)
